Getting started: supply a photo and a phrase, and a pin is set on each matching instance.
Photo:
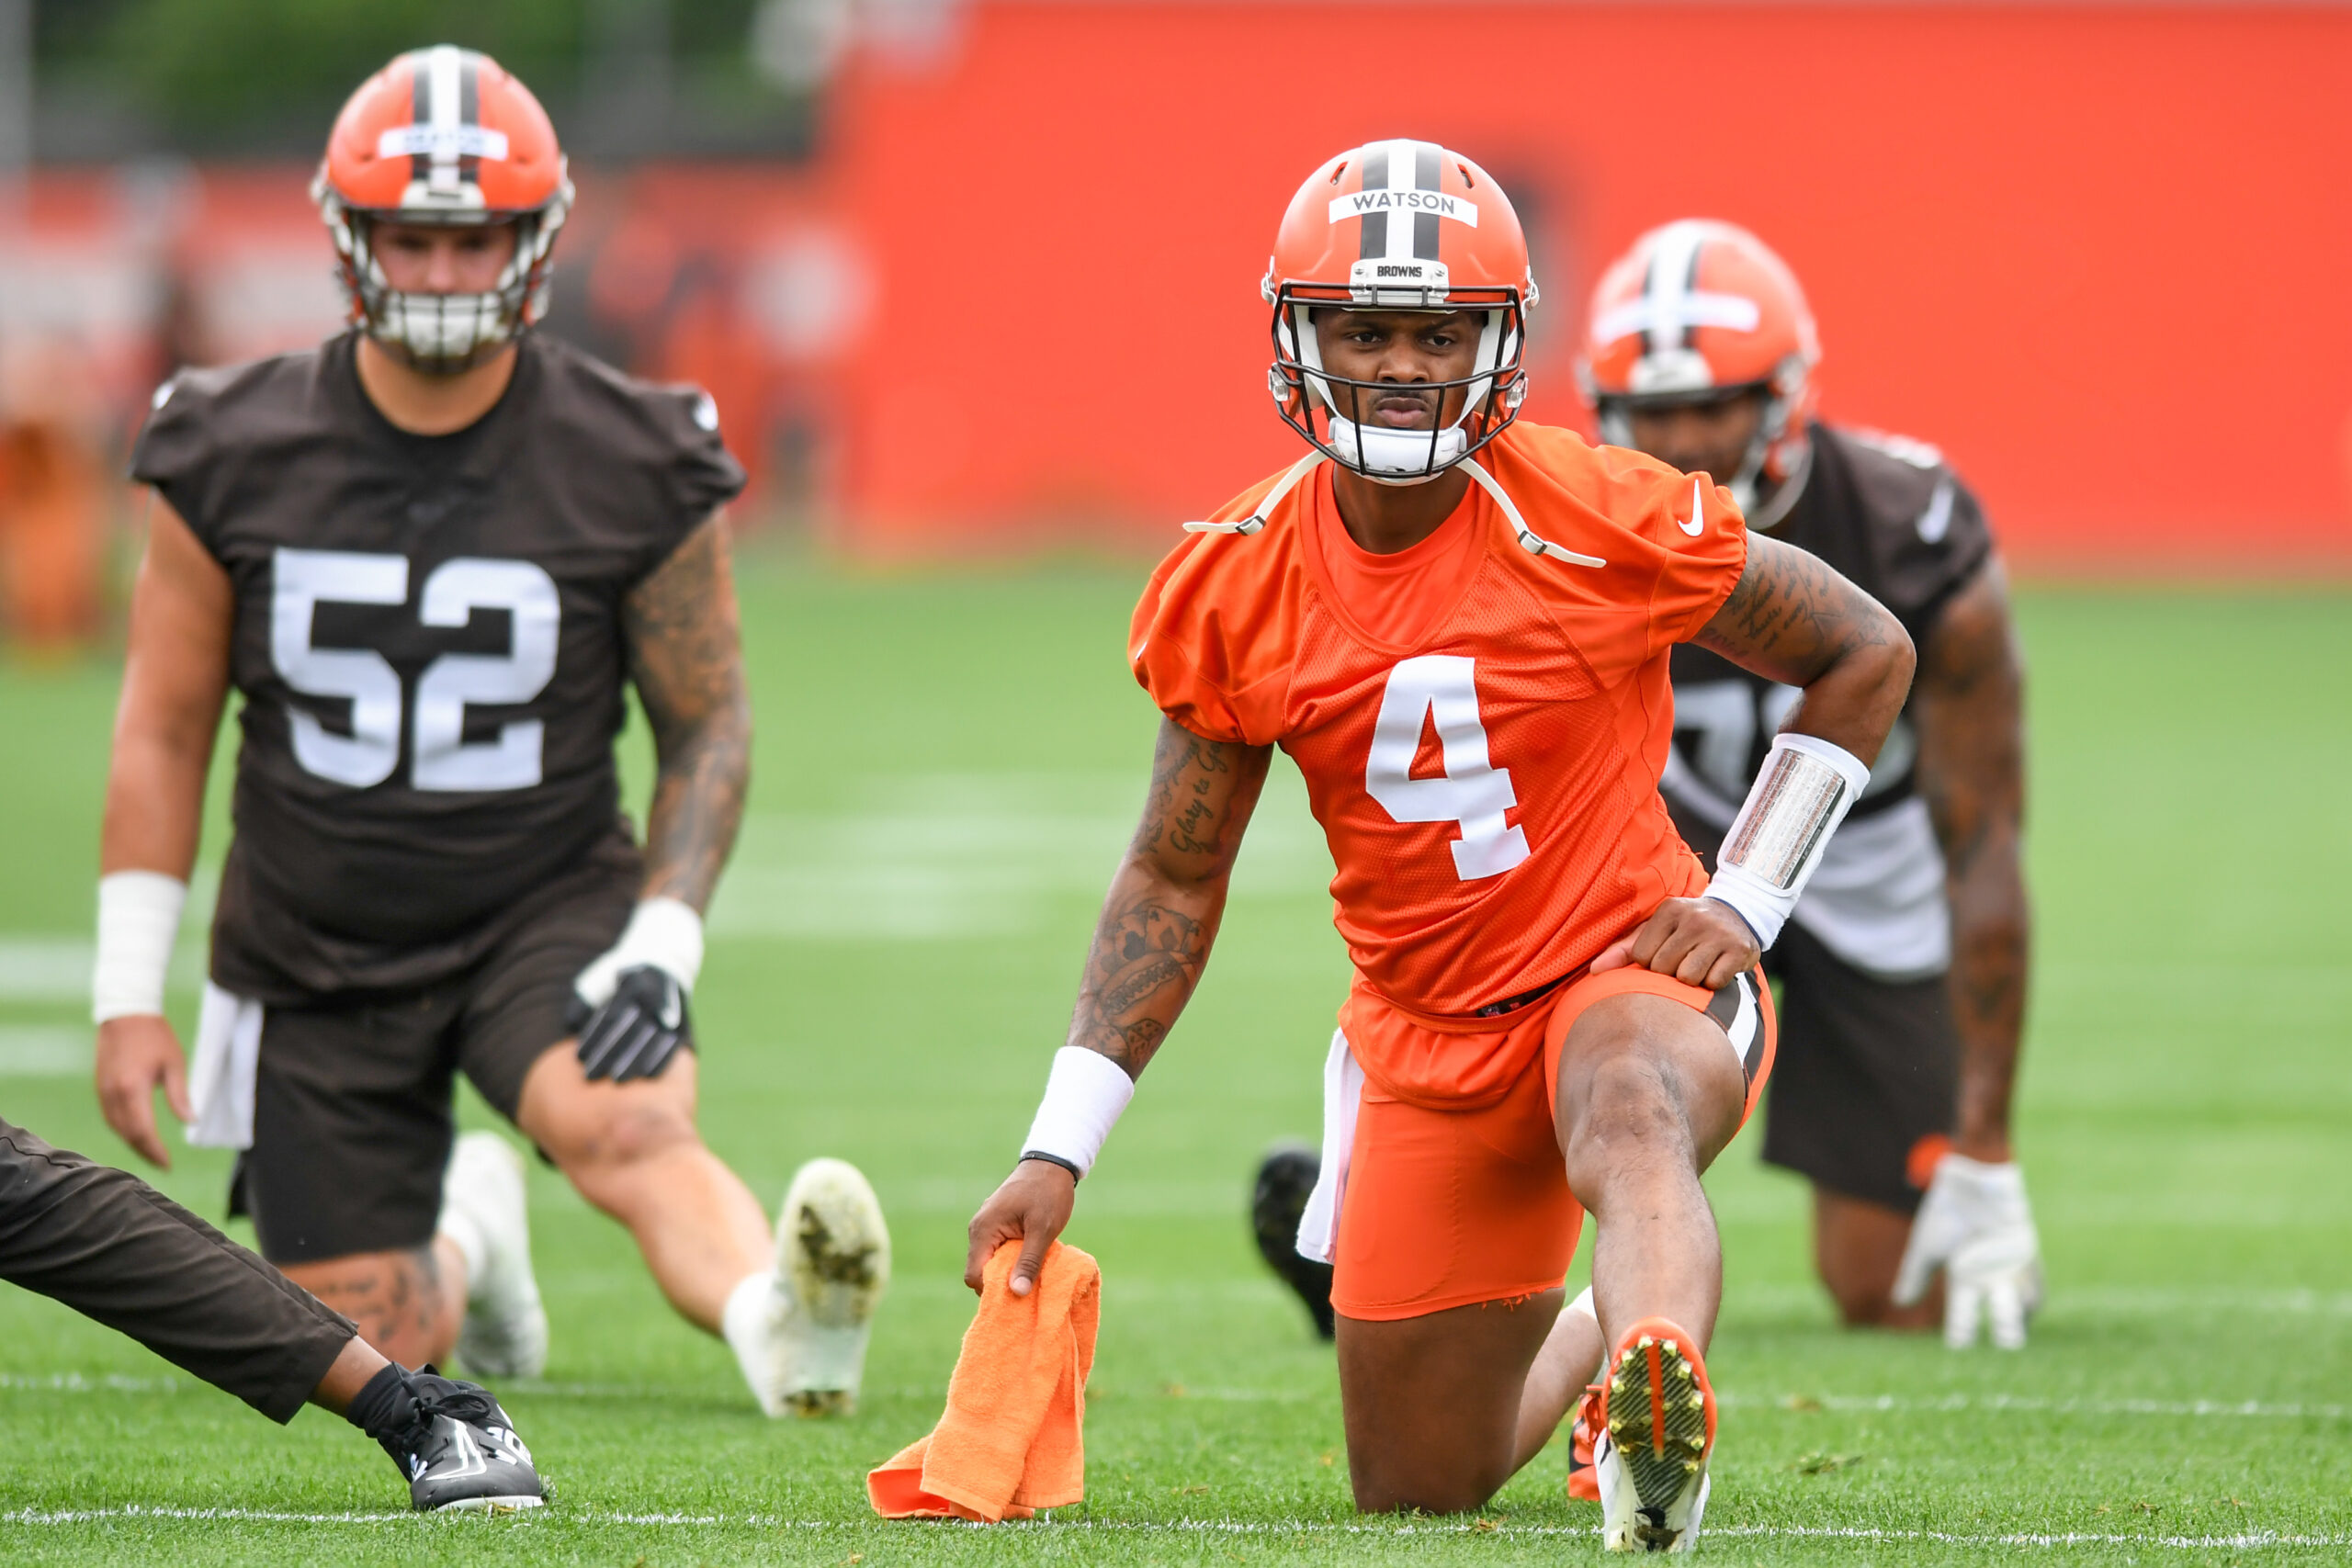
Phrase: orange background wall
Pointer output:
(2102, 254)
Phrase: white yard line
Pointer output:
(1735, 1399)
(2244, 1541)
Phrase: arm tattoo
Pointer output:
(1792, 610)
(686, 658)
(1972, 774)
(1153, 938)
(1793, 619)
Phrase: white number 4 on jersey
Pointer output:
(1441, 688)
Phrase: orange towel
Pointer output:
(1013, 1439)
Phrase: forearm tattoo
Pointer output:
(1160, 918)
(685, 657)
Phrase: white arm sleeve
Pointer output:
(1803, 791)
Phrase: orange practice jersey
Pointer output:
(1489, 790)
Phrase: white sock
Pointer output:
(471, 1244)
(1583, 1303)
(746, 1322)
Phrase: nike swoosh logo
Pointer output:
(469, 1460)
(671, 1011)
(1698, 523)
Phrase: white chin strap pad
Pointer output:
(1408, 454)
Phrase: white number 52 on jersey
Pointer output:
(1442, 688)
(302, 580)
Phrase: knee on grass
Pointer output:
(1377, 1492)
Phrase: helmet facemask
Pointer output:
(1777, 449)
(441, 335)
(1491, 393)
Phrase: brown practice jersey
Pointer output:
(428, 641)
(1886, 513)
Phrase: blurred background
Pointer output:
(975, 276)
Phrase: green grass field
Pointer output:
(947, 765)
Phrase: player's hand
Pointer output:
(634, 1030)
(1032, 1207)
(1975, 1225)
(1699, 942)
(135, 1053)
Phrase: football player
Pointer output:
(1903, 973)
(114, 1249)
(429, 554)
(1458, 626)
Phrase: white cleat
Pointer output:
(505, 1332)
(1650, 1457)
(800, 1336)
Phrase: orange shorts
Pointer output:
(1456, 1191)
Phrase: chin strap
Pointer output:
(1257, 519)
(1534, 544)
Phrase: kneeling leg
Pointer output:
(1432, 1403)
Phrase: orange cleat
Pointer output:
(1584, 1484)
(1657, 1432)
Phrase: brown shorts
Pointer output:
(1445, 1207)
(1870, 1068)
(352, 1118)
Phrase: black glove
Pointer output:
(638, 1029)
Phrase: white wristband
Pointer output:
(1803, 792)
(138, 918)
(1084, 1095)
(663, 932)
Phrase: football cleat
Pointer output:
(460, 1453)
(832, 1264)
(1286, 1179)
(1584, 1433)
(1658, 1433)
(505, 1331)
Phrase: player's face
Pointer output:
(1710, 437)
(1405, 351)
(433, 258)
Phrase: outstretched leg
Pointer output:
(113, 1248)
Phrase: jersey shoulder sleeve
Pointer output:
(1926, 530)
(207, 429)
(1674, 544)
(1212, 637)
(668, 434)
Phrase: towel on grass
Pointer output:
(1012, 1438)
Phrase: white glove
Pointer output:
(1975, 1225)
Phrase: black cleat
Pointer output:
(460, 1452)
(1285, 1177)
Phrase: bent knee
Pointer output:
(628, 1130)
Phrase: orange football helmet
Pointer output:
(1399, 225)
(1699, 309)
(444, 135)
